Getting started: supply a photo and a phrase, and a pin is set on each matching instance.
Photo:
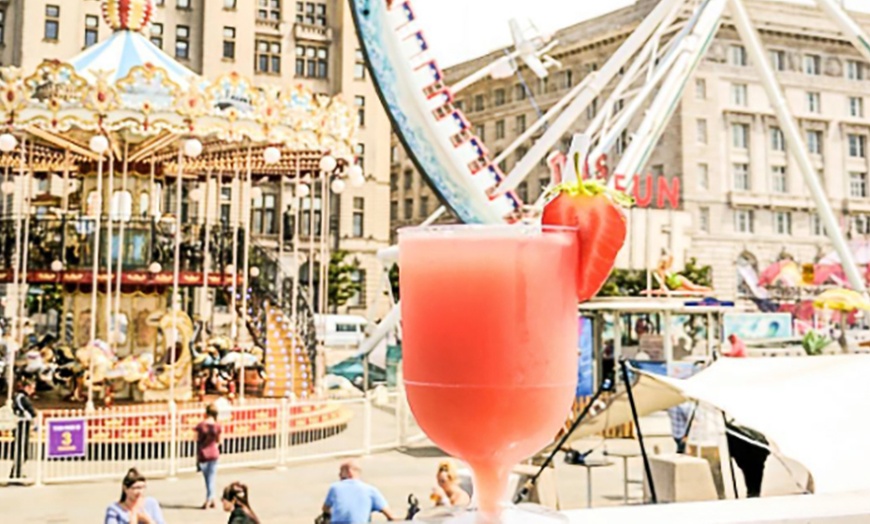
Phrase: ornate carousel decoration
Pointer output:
(120, 161)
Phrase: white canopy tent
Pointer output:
(812, 409)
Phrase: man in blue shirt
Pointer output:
(352, 501)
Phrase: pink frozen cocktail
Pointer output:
(489, 321)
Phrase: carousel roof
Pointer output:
(123, 51)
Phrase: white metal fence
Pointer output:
(159, 440)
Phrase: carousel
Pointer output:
(130, 271)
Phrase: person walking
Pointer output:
(134, 507)
(236, 502)
(208, 436)
(23, 409)
(352, 501)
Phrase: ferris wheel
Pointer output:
(645, 77)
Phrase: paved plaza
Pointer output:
(294, 495)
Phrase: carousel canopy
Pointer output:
(123, 51)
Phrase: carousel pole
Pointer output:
(311, 242)
(324, 240)
(205, 305)
(99, 144)
(235, 187)
(110, 244)
(121, 222)
(280, 275)
(295, 277)
(64, 203)
(16, 275)
(175, 272)
(246, 206)
(25, 258)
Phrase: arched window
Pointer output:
(747, 274)
(122, 206)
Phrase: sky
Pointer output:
(459, 30)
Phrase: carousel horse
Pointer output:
(94, 373)
(670, 280)
(208, 366)
(177, 326)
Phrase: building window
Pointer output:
(92, 24)
(478, 103)
(816, 226)
(856, 106)
(311, 61)
(814, 142)
(409, 179)
(229, 4)
(359, 65)
(230, 43)
(269, 10)
(359, 212)
(360, 153)
(360, 102)
(269, 56)
(857, 146)
(739, 94)
(854, 70)
(778, 60)
(52, 22)
(157, 34)
(394, 181)
(780, 182)
(782, 222)
(182, 42)
(263, 219)
(311, 13)
(740, 136)
(358, 277)
(813, 65)
(621, 142)
(409, 209)
(2, 26)
(424, 206)
(499, 129)
(523, 191)
(814, 102)
(569, 79)
(521, 123)
(861, 224)
(394, 210)
(744, 221)
(701, 131)
(519, 92)
(519, 153)
(857, 184)
(738, 55)
(499, 97)
(741, 177)
(480, 131)
(182, 4)
(777, 139)
(592, 109)
(703, 176)
(704, 219)
(701, 89)
(226, 204)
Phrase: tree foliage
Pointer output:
(342, 286)
(394, 280)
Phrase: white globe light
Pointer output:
(8, 142)
(99, 144)
(354, 170)
(328, 163)
(337, 186)
(254, 271)
(196, 194)
(357, 181)
(155, 267)
(272, 155)
(230, 269)
(8, 187)
(302, 190)
(256, 193)
(192, 148)
(57, 266)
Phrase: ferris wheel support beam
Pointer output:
(684, 44)
(665, 103)
(850, 28)
(795, 142)
(597, 83)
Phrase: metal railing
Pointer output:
(160, 440)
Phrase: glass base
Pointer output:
(513, 514)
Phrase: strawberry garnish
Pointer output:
(595, 210)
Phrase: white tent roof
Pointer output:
(812, 409)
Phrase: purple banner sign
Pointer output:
(67, 438)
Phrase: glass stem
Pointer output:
(490, 489)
